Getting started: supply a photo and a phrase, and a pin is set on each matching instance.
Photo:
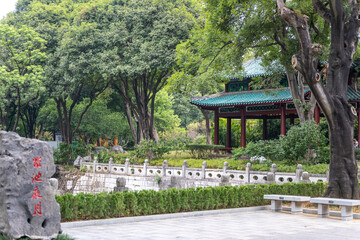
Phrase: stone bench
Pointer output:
(296, 202)
(346, 206)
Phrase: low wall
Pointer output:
(105, 182)
(102, 177)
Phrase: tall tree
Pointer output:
(145, 35)
(22, 53)
(343, 16)
(76, 67)
(81, 74)
(199, 65)
(235, 28)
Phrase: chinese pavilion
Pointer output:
(240, 102)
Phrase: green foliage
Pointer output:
(357, 154)
(270, 149)
(301, 140)
(67, 153)
(187, 112)
(203, 150)
(200, 139)
(175, 138)
(150, 149)
(253, 131)
(303, 143)
(103, 156)
(105, 205)
(22, 53)
(164, 117)
(100, 122)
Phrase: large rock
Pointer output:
(80, 160)
(117, 149)
(27, 201)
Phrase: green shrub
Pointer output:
(357, 154)
(105, 205)
(150, 149)
(67, 153)
(201, 139)
(203, 150)
(303, 143)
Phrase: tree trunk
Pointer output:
(3, 118)
(305, 110)
(131, 124)
(41, 131)
(207, 125)
(332, 99)
(18, 108)
(343, 168)
(155, 134)
(60, 117)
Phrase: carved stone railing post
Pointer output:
(247, 173)
(270, 177)
(298, 173)
(127, 165)
(95, 164)
(273, 170)
(225, 167)
(146, 164)
(327, 175)
(111, 162)
(203, 170)
(184, 167)
(164, 167)
(305, 177)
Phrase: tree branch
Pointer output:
(321, 9)
(216, 55)
(280, 42)
(92, 97)
(305, 62)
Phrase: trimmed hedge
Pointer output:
(203, 150)
(146, 202)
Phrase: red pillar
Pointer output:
(264, 128)
(216, 127)
(283, 120)
(317, 114)
(358, 115)
(243, 128)
(228, 133)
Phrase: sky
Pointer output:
(6, 6)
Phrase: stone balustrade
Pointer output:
(235, 177)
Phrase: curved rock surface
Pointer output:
(27, 200)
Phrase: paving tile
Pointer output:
(242, 225)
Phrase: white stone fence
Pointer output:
(232, 176)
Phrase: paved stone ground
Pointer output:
(262, 224)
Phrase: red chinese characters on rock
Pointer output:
(36, 179)
(36, 194)
(37, 209)
(37, 162)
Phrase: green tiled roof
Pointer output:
(258, 97)
(353, 95)
(252, 68)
